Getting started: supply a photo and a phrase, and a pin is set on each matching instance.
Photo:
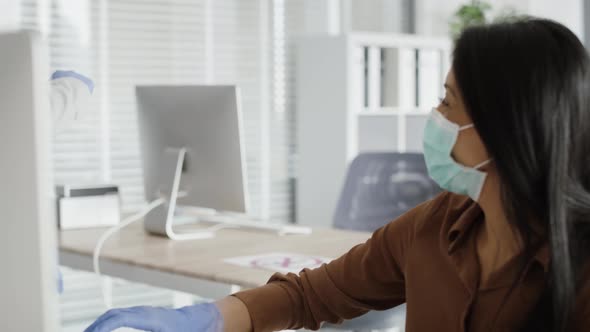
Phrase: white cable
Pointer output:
(219, 227)
(127, 221)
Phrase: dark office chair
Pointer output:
(380, 187)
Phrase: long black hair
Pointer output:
(526, 85)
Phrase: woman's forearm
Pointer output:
(236, 317)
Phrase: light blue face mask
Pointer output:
(440, 136)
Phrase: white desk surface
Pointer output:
(196, 266)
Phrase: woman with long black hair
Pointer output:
(504, 248)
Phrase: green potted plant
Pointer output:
(468, 15)
(476, 13)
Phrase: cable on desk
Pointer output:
(127, 221)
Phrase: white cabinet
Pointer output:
(358, 93)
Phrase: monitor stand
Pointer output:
(160, 220)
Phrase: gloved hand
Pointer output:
(196, 318)
(69, 96)
(60, 281)
(68, 73)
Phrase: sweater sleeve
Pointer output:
(369, 277)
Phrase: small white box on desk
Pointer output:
(87, 206)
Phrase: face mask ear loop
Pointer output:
(482, 164)
(466, 126)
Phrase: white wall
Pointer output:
(9, 14)
(375, 15)
(568, 12)
(432, 16)
(378, 15)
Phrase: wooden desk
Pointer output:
(195, 266)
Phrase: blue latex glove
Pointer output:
(60, 282)
(69, 96)
(196, 318)
(68, 73)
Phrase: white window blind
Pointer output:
(121, 44)
(124, 43)
(75, 32)
(77, 150)
(150, 42)
(290, 21)
(238, 31)
(186, 42)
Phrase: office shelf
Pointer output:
(359, 92)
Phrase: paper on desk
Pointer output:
(283, 262)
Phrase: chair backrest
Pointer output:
(379, 187)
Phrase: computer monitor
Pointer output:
(192, 151)
(28, 287)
